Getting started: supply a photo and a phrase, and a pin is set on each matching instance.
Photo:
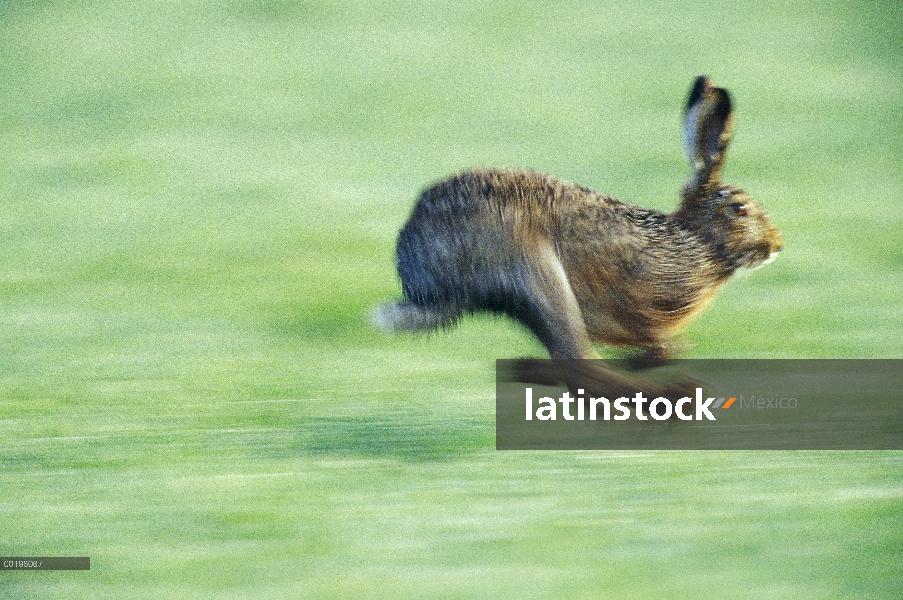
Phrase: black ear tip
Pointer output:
(722, 103)
(700, 86)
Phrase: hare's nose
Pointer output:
(777, 243)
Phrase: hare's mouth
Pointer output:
(755, 262)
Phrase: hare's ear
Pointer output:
(708, 121)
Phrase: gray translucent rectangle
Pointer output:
(778, 404)
(45, 563)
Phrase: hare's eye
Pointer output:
(738, 209)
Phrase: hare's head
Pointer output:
(730, 222)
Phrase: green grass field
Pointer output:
(199, 206)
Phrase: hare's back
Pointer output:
(506, 193)
(487, 215)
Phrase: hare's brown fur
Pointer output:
(574, 265)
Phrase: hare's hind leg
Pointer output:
(549, 307)
(551, 311)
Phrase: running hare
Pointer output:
(576, 266)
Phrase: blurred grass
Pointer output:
(199, 206)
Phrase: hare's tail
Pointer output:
(409, 316)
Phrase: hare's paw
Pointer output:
(650, 358)
(537, 371)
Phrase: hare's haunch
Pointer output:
(576, 266)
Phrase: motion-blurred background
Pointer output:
(198, 207)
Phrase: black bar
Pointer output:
(45, 563)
